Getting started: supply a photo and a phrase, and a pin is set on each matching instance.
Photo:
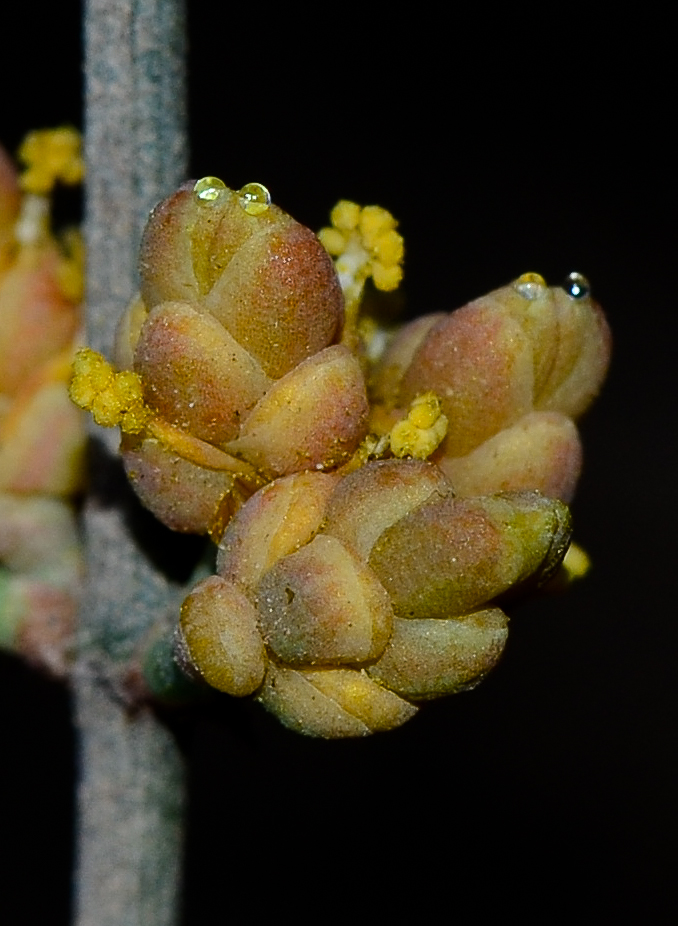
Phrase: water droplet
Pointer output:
(254, 198)
(577, 286)
(209, 189)
(530, 286)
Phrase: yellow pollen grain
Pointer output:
(345, 215)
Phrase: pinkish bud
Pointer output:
(184, 496)
(452, 555)
(371, 499)
(312, 418)
(42, 435)
(542, 451)
(39, 579)
(321, 605)
(195, 374)
(478, 361)
(278, 520)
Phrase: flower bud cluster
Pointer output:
(513, 371)
(363, 543)
(342, 602)
(42, 434)
(235, 340)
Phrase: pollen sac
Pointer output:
(513, 371)
(235, 339)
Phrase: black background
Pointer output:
(502, 147)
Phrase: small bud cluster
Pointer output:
(42, 434)
(342, 602)
(234, 338)
(513, 371)
(365, 533)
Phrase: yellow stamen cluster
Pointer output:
(112, 398)
(51, 155)
(422, 431)
(365, 243)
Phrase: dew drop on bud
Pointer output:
(254, 198)
(577, 286)
(209, 189)
(530, 286)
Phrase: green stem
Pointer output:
(131, 789)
